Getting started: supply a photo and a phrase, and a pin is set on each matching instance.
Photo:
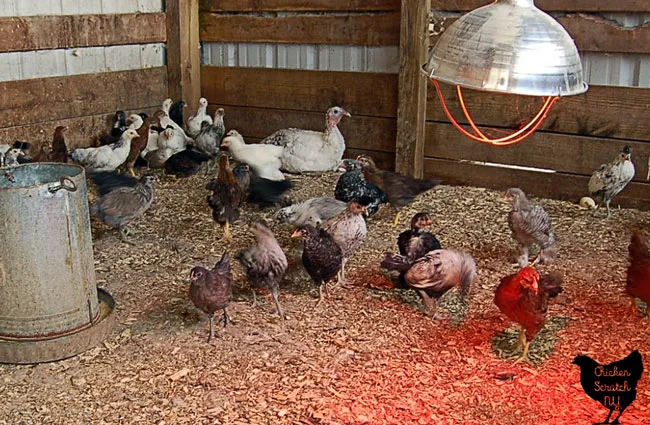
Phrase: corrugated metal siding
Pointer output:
(77, 7)
(303, 56)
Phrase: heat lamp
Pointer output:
(512, 47)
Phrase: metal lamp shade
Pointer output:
(509, 46)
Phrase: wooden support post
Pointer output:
(411, 111)
(183, 51)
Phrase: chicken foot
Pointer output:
(211, 322)
(341, 280)
(521, 342)
(226, 232)
(430, 305)
(124, 235)
(225, 318)
(322, 288)
(522, 259)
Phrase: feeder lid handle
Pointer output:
(65, 183)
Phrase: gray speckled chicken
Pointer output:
(121, 206)
(265, 263)
(312, 211)
(211, 290)
(348, 230)
(610, 179)
(530, 224)
(434, 274)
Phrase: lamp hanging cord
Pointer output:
(479, 136)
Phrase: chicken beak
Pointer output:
(296, 234)
(365, 211)
(347, 114)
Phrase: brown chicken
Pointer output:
(400, 190)
(137, 146)
(211, 290)
(226, 198)
(523, 297)
(58, 151)
(638, 273)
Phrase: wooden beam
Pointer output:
(361, 132)
(360, 29)
(184, 51)
(298, 5)
(559, 152)
(603, 111)
(590, 34)
(627, 6)
(47, 99)
(567, 187)
(56, 32)
(411, 112)
(362, 93)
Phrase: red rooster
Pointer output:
(638, 273)
(523, 297)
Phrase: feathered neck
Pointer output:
(521, 204)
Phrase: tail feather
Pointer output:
(107, 181)
(638, 248)
(223, 265)
(396, 262)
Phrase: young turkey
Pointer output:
(308, 150)
(610, 179)
(201, 116)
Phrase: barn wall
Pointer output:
(580, 133)
(75, 63)
(277, 63)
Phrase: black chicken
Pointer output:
(321, 256)
(265, 263)
(261, 191)
(108, 181)
(416, 242)
(612, 385)
(226, 197)
(185, 163)
(351, 185)
(176, 113)
(119, 126)
(434, 274)
(211, 290)
(400, 190)
(243, 176)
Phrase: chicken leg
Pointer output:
(430, 305)
(522, 259)
(341, 280)
(211, 322)
(276, 299)
(226, 232)
(322, 288)
(131, 172)
(255, 302)
(396, 222)
(524, 355)
(225, 318)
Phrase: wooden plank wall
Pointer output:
(580, 133)
(260, 101)
(85, 102)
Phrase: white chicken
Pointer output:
(135, 121)
(108, 157)
(610, 179)
(165, 120)
(194, 122)
(263, 159)
(10, 158)
(307, 150)
(172, 140)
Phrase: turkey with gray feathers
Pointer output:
(308, 150)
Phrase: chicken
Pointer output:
(105, 158)
(185, 163)
(4, 148)
(158, 157)
(108, 181)
(176, 113)
(416, 242)
(59, 151)
(264, 263)
(119, 126)
(400, 190)
(307, 150)
(260, 191)
(242, 173)
(121, 206)
(638, 272)
(171, 139)
(165, 120)
(211, 290)
(321, 256)
(610, 179)
(613, 385)
(523, 297)
(348, 230)
(264, 159)
(226, 197)
(351, 185)
(530, 224)
(312, 211)
(194, 123)
(138, 144)
(135, 121)
(208, 140)
(11, 158)
(434, 274)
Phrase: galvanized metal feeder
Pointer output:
(509, 46)
(50, 307)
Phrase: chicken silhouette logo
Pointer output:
(612, 385)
